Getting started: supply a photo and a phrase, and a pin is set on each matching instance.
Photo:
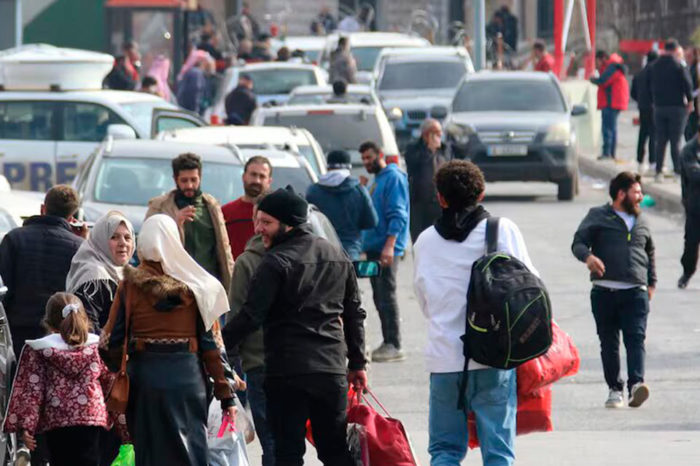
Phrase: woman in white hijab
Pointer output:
(165, 309)
(96, 269)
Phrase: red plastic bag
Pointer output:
(561, 360)
(534, 415)
(387, 441)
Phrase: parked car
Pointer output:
(366, 46)
(335, 126)
(296, 140)
(272, 83)
(312, 46)
(516, 126)
(125, 174)
(417, 83)
(16, 206)
(311, 95)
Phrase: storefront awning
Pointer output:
(143, 3)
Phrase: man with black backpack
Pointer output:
(443, 258)
(614, 241)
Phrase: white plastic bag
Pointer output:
(226, 447)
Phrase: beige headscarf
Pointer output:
(93, 261)
(159, 241)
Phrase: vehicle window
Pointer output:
(83, 172)
(280, 81)
(297, 177)
(506, 95)
(142, 113)
(27, 120)
(87, 122)
(334, 131)
(172, 122)
(365, 57)
(308, 153)
(134, 181)
(422, 75)
(319, 99)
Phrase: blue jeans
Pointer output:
(491, 395)
(609, 131)
(623, 311)
(255, 378)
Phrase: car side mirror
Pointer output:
(579, 109)
(366, 269)
(119, 131)
(438, 112)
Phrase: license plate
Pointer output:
(507, 150)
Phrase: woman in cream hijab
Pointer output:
(166, 308)
(96, 269)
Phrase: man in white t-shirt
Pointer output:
(443, 258)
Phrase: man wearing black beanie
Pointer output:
(305, 296)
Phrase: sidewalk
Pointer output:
(666, 194)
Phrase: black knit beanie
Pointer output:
(286, 206)
(339, 159)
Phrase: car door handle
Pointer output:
(68, 156)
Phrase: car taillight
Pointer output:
(214, 119)
(320, 112)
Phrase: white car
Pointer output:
(311, 45)
(53, 113)
(355, 94)
(16, 206)
(296, 140)
(417, 83)
(366, 46)
(287, 169)
(272, 82)
(335, 126)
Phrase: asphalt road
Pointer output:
(665, 431)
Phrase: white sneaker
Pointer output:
(615, 399)
(642, 168)
(23, 457)
(638, 395)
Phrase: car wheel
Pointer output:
(567, 189)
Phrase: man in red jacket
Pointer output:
(544, 59)
(613, 96)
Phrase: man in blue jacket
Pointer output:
(385, 243)
(344, 201)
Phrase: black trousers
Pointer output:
(646, 132)
(322, 398)
(689, 259)
(74, 446)
(384, 296)
(669, 123)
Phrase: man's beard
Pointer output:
(253, 189)
(374, 168)
(279, 236)
(630, 207)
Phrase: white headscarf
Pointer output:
(93, 261)
(159, 241)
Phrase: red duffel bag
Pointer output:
(561, 360)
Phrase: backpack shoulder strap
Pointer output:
(492, 234)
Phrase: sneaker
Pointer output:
(387, 353)
(638, 394)
(23, 457)
(615, 399)
(642, 168)
(683, 281)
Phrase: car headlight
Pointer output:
(460, 134)
(559, 133)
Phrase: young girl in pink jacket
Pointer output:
(60, 387)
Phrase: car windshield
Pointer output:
(365, 57)
(334, 130)
(280, 80)
(297, 177)
(142, 113)
(328, 97)
(134, 181)
(508, 95)
(422, 75)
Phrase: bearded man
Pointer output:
(614, 241)
(238, 214)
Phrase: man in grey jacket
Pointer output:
(614, 241)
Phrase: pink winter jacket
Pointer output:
(58, 386)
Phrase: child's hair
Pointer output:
(74, 327)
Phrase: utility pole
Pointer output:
(479, 34)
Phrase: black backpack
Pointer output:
(509, 318)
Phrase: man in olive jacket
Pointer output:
(614, 241)
(199, 218)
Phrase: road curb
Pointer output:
(665, 201)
